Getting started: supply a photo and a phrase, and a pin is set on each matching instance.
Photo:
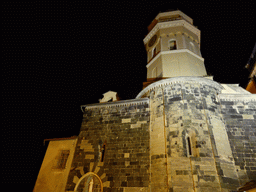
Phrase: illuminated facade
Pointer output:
(183, 131)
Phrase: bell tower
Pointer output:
(173, 47)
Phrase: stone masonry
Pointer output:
(240, 120)
(192, 107)
(179, 134)
(124, 130)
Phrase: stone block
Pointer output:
(135, 126)
(75, 179)
(136, 189)
(128, 120)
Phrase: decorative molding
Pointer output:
(174, 80)
(237, 97)
(172, 24)
(170, 13)
(126, 103)
(171, 52)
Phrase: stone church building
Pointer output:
(183, 131)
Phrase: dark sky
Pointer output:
(60, 55)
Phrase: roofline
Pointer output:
(115, 103)
(58, 139)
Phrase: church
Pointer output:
(183, 131)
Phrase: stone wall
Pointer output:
(178, 112)
(184, 136)
(123, 128)
(193, 147)
(239, 113)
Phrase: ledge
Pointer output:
(172, 52)
(237, 97)
(176, 23)
(116, 103)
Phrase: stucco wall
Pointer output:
(182, 64)
(52, 179)
(183, 38)
(158, 66)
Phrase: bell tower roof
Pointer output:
(169, 16)
(173, 15)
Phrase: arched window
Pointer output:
(153, 52)
(172, 44)
(191, 147)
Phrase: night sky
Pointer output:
(60, 55)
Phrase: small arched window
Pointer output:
(191, 143)
(172, 45)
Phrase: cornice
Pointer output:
(172, 24)
(122, 103)
(178, 12)
(174, 80)
(172, 52)
(237, 97)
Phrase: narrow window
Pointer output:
(172, 45)
(189, 146)
(154, 52)
(103, 150)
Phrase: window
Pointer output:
(61, 159)
(189, 149)
(172, 44)
(154, 52)
(103, 150)
(191, 145)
